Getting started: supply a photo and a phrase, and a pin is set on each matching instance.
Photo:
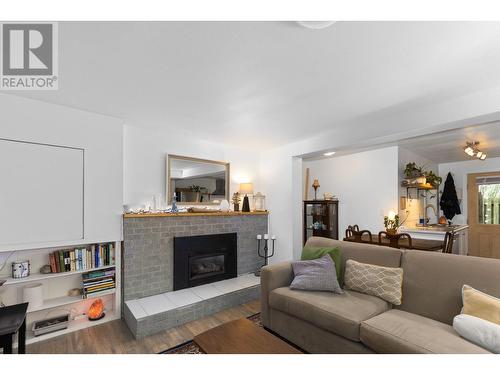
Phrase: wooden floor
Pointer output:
(115, 337)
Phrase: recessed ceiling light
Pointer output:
(329, 153)
(315, 25)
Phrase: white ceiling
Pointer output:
(447, 147)
(267, 83)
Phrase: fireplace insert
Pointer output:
(204, 259)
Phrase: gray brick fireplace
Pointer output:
(149, 247)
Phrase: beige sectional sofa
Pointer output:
(323, 322)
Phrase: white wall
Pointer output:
(101, 138)
(459, 172)
(365, 184)
(145, 153)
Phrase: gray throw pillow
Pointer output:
(317, 274)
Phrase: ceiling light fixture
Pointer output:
(471, 149)
(329, 153)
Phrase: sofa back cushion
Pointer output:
(360, 252)
(432, 282)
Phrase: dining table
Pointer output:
(417, 243)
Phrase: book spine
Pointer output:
(93, 256)
(100, 293)
(67, 261)
(72, 260)
(106, 257)
(56, 260)
(52, 263)
(61, 261)
(112, 254)
(80, 259)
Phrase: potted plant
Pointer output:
(414, 174)
(236, 201)
(433, 179)
(391, 223)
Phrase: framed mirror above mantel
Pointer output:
(197, 181)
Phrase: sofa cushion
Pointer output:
(316, 274)
(310, 253)
(379, 281)
(399, 332)
(360, 252)
(481, 305)
(338, 313)
(433, 282)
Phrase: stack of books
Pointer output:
(98, 283)
(81, 259)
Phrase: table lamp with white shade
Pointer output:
(245, 189)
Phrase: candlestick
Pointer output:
(259, 236)
(266, 236)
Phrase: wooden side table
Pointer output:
(12, 320)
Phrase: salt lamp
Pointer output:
(96, 310)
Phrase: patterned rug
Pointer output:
(190, 347)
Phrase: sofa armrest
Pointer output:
(273, 277)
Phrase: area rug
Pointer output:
(190, 347)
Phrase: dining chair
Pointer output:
(394, 239)
(357, 234)
(448, 243)
(349, 232)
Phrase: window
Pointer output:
(489, 203)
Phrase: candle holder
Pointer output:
(265, 253)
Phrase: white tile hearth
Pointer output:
(149, 315)
(156, 304)
(136, 309)
(159, 303)
(207, 291)
(182, 297)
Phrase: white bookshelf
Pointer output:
(40, 276)
(55, 291)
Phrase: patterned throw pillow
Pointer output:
(383, 282)
(318, 274)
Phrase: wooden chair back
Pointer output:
(349, 232)
(448, 243)
(353, 231)
(394, 239)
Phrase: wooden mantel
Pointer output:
(181, 214)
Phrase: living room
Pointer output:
(249, 187)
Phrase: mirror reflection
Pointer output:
(197, 180)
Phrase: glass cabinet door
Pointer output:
(320, 219)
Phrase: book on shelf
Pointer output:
(97, 283)
(82, 258)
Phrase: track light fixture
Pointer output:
(471, 149)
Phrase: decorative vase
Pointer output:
(236, 207)
(391, 231)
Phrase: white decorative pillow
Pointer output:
(479, 331)
(383, 282)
